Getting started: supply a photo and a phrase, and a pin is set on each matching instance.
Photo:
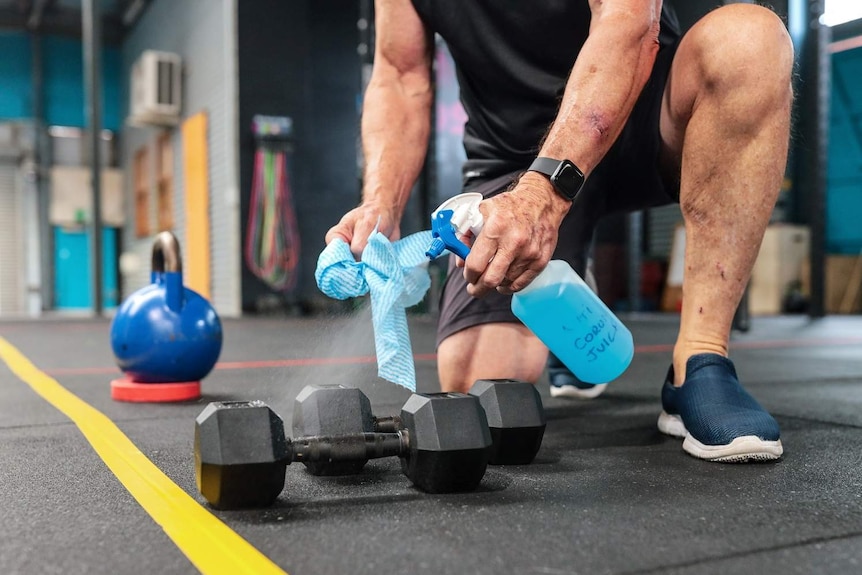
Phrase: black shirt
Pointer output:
(512, 60)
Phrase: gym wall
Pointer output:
(299, 59)
(202, 33)
(63, 82)
(844, 171)
(62, 106)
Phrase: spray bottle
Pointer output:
(558, 306)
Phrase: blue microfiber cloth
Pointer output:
(396, 274)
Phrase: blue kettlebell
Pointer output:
(165, 332)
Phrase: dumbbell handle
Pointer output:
(352, 447)
(388, 424)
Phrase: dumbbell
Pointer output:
(513, 409)
(241, 451)
(516, 419)
(335, 409)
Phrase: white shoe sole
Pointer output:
(577, 393)
(671, 425)
(740, 450)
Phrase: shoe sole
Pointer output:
(574, 392)
(741, 450)
(672, 425)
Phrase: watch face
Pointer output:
(568, 179)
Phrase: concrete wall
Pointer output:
(203, 33)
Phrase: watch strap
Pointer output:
(566, 178)
(545, 166)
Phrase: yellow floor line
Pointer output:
(212, 546)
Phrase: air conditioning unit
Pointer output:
(156, 89)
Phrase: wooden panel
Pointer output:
(165, 182)
(843, 283)
(195, 164)
(141, 184)
(778, 267)
(672, 297)
(72, 197)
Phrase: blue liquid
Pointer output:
(576, 326)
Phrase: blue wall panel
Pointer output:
(15, 98)
(64, 84)
(844, 175)
(63, 70)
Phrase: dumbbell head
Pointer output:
(331, 409)
(515, 416)
(240, 454)
(449, 442)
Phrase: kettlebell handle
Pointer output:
(168, 269)
(166, 253)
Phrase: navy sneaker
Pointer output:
(719, 420)
(565, 384)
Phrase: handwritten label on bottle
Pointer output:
(597, 340)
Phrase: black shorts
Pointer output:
(629, 178)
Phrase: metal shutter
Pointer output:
(11, 247)
(662, 222)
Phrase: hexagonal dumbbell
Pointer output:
(334, 409)
(516, 418)
(513, 408)
(241, 452)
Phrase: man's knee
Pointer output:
(489, 351)
(744, 51)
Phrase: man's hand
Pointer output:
(518, 238)
(357, 224)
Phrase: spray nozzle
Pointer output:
(454, 218)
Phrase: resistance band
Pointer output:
(272, 244)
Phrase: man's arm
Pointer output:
(396, 122)
(609, 74)
(611, 70)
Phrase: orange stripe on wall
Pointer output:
(196, 163)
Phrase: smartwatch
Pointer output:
(566, 178)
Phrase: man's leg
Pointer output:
(725, 118)
(489, 351)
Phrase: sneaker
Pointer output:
(719, 420)
(565, 384)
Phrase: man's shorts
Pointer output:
(629, 178)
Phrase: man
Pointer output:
(604, 88)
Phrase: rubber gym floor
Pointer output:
(607, 493)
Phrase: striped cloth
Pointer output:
(397, 277)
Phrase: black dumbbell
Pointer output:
(513, 408)
(515, 416)
(241, 451)
(334, 409)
